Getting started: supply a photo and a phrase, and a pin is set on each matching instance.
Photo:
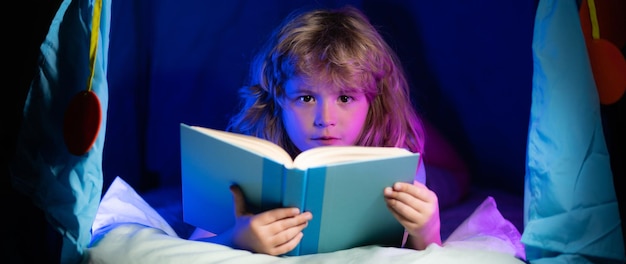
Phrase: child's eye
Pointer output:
(305, 98)
(345, 98)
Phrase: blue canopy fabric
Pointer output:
(571, 210)
(66, 187)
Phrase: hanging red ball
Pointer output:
(609, 70)
(81, 123)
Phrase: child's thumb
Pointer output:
(239, 200)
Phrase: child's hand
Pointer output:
(273, 232)
(417, 209)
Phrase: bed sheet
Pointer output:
(128, 230)
(134, 243)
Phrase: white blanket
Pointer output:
(128, 230)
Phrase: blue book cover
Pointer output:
(341, 186)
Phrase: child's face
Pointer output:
(321, 116)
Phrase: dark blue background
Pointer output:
(469, 64)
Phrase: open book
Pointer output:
(341, 186)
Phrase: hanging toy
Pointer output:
(607, 61)
(83, 115)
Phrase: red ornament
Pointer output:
(82, 122)
(609, 70)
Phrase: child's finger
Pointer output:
(239, 200)
(290, 243)
(290, 216)
(411, 202)
(417, 190)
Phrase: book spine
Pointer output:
(315, 188)
(271, 192)
(294, 183)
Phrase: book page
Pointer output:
(339, 154)
(255, 145)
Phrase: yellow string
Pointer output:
(95, 28)
(595, 28)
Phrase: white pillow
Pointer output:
(121, 204)
(487, 229)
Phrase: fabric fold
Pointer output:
(570, 203)
(66, 187)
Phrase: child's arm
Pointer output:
(448, 172)
(417, 209)
(201, 234)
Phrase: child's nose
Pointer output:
(325, 115)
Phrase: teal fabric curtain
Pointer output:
(571, 210)
(66, 187)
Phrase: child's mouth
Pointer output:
(326, 141)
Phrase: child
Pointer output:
(327, 77)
